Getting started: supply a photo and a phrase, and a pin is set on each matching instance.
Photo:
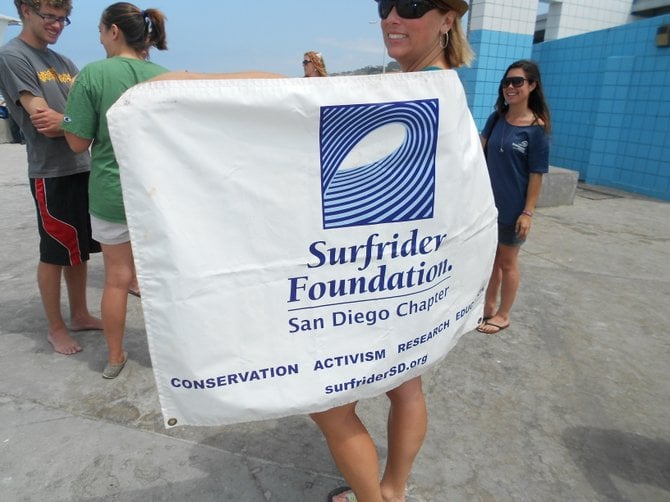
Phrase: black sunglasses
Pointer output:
(305, 62)
(407, 9)
(515, 81)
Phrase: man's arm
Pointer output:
(45, 120)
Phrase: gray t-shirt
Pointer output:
(46, 74)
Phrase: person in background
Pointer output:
(313, 65)
(35, 82)
(516, 142)
(15, 130)
(126, 33)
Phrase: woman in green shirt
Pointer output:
(127, 33)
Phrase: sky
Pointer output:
(237, 35)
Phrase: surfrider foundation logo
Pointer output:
(378, 162)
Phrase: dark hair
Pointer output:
(536, 101)
(66, 5)
(141, 29)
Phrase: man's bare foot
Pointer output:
(85, 323)
(63, 343)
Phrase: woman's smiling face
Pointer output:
(514, 95)
(411, 42)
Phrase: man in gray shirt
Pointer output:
(35, 82)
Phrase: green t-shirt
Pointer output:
(95, 90)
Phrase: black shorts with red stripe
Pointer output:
(63, 220)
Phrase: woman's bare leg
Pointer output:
(352, 449)
(507, 259)
(119, 269)
(407, 425)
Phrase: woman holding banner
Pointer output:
(127, 33)
(420, 35)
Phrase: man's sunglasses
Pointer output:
(407, 9)
(514, 81)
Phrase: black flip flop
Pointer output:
(338, 491)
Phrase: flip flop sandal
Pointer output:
(351, 497)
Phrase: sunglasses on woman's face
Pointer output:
(513, 81)
(407, 9)
(305, 62)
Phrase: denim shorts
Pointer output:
(507, 235)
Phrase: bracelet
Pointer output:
(527, 213)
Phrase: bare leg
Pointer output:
(352, 449)
(118, 260)
(407, 425)
(48, 281)
(134, 285)
(507, 258)
(492, 290)
(80, 318)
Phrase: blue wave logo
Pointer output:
(378, 162)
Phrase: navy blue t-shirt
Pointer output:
(513, 152)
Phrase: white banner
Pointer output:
(302, 243)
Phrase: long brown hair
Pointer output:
(142, 29)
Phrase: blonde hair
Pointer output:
(317, 60)
(458, 51)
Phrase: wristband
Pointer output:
(527, 213)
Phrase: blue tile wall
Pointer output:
(495, 51)
(609, 93)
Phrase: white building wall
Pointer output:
(574, 17)
(511, 16)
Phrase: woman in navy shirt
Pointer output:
(516, 142)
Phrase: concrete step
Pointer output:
(558, 187)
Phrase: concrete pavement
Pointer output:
(571, 403)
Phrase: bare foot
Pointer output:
(85, 323)
(63, 343)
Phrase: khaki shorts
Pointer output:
(108, 233)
